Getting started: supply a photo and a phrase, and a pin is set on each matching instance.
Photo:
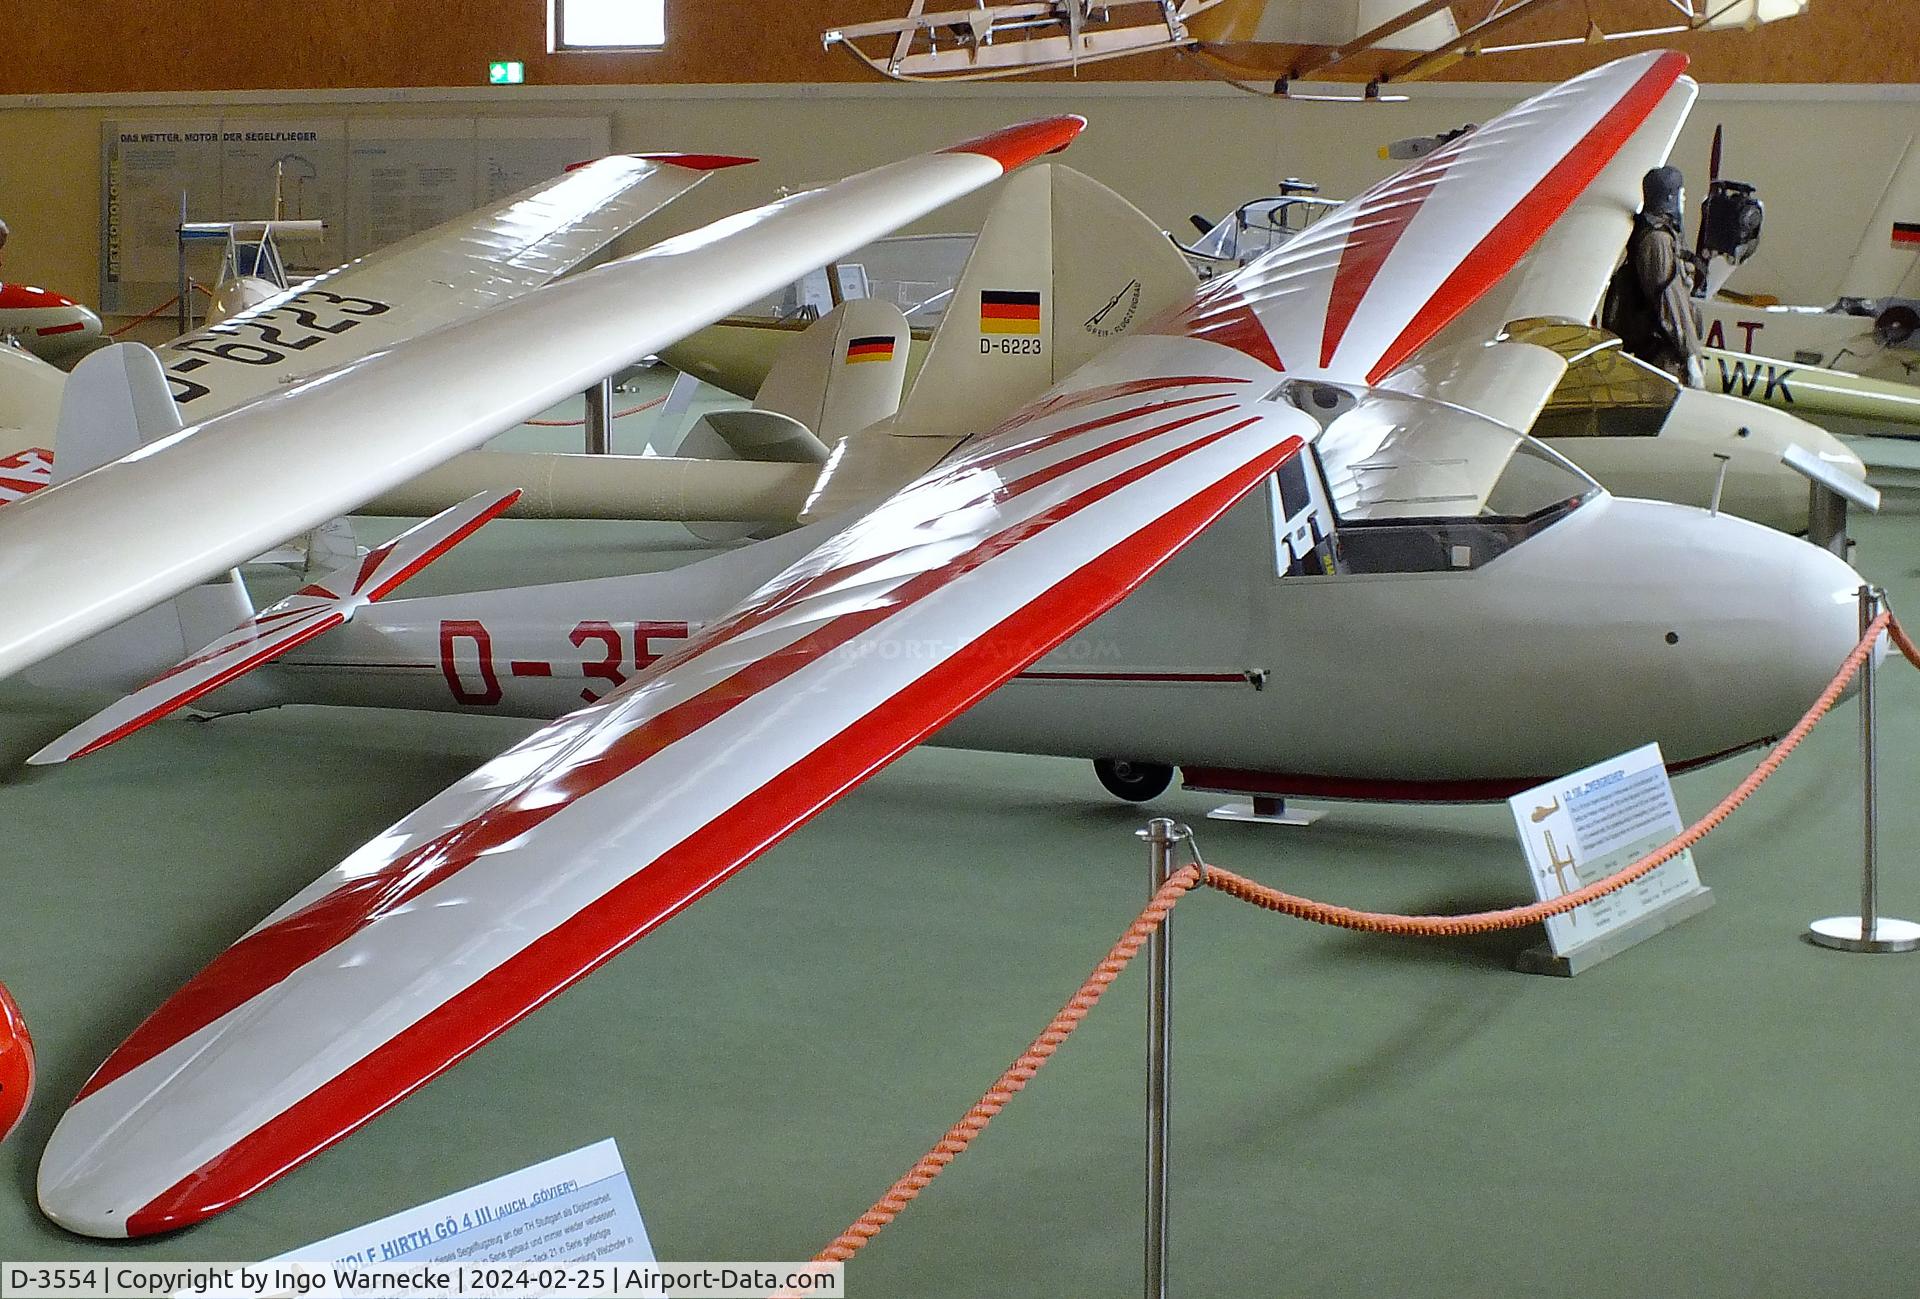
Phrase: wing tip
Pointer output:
(691, 161)
(1014, 146)
(699, 161)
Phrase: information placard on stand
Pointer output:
(1589, 825)
(576, 1208)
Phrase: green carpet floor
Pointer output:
(1723, 1111)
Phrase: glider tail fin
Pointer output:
(115, 402)
(844, 373)
(1887, 261)
(1063, 268)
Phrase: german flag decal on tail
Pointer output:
(1906, 234)
(1009, 312)
(878, 348)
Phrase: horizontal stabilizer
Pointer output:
(311, 611)
(763, 435)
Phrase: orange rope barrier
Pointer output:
(1022, 1071)
(579, 423)
(1481, 922)
(143, 319)
(1017, 1075)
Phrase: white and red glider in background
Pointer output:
(45, 323)
(451, 272)
(1359, 376)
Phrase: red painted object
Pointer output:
(16, 1064)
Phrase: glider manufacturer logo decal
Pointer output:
(274, 336)
(1117, 315)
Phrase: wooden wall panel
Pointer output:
(106, 46)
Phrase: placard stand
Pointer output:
(1583, 827)
(1542, 959)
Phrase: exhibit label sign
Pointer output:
(577, 1208)
(1586, 826)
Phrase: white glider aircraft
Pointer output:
(1288, 523)
(448, 273)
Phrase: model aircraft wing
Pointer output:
(540, 866)
(457, 268)
(313, 610)
(80, 557)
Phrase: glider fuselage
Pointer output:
(1622, 622)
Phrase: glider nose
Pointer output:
(1824, 609)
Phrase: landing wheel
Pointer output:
(1137, 782)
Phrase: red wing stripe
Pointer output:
(268, 955)
(232, 643)
(1170, 678)
(674, 881)
(388, 584)
(25, 486)
(1059, 405)
(1521, 228)
(757, 614)
(212, 683)
(1375, 233)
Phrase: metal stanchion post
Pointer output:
(1161, 836)
(600, 418)
(185, 311)
(1869, 931)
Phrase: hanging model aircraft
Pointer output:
(1324, 437)
(1275, 42)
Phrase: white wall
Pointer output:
(1820, 155)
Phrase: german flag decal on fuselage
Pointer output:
(1005, 311)
(1906, 234)
(877, 348)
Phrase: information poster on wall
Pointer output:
(373, 180)
(1591, 824)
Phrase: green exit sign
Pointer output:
(506, 72)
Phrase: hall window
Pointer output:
(606, 24)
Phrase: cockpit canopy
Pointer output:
(1417, 485)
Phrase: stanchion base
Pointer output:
(1843, 934)
(1263, 809)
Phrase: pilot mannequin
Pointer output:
(1650, 301)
